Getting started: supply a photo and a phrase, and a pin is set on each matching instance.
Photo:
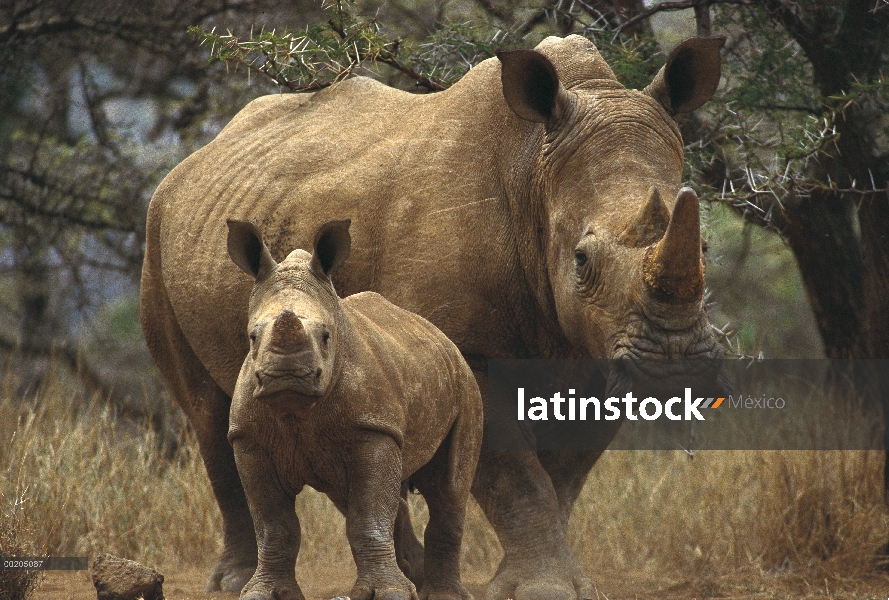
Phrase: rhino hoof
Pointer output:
(226, 577)
(544, 591)
(550, 584)
(275, 594)
(456, 593)
(364, 592)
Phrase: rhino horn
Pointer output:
(649, 224)
(673, 267)
(287, 331)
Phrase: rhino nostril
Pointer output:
(318, 373)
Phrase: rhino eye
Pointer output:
(580, 258)
(253, 337)
(325, 337)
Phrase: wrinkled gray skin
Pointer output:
(532, 210)
(351, 397)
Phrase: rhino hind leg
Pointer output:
(408, 549)
(446, 498)
(238, 560)
(207, 408)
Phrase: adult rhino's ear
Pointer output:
(690, 76)
(531, 86)
(332, 245)
(247, 250)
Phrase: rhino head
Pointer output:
(620, 239)
(294, 317)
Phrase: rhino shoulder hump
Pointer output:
(262, 110)
(368, 304)
(359, 83)
(390, 317)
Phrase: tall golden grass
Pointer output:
(730, 515)
(89, 482)
(76, 480)
(16, 540)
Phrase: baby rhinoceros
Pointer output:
(351, 397)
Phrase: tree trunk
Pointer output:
(855, 53)
(820, 233)
(875, 246)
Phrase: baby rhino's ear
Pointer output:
(332, 245)
(247, 250)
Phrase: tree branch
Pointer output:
(536, 19)
(677, 5)
(388, 57)
(702, 19)
(497, 11)
(421, 80)
(73, 217)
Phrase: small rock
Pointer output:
(122, 579)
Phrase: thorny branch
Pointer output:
(320, 56)
(388, 56)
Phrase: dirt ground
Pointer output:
(188, 584)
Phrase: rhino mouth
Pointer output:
(289, 385)
(662, 377)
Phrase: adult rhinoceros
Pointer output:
(520, 211)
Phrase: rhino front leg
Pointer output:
(277, 527)
(520, 502)
(374, 476)
(568, 470)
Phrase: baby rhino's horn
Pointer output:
(287, 331)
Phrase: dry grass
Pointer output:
(90, 482)
(16, 539)
(84, 481)
(730, 516)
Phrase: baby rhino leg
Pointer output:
(445, 483)
(408, 549)
(374, 477)
(277, 527)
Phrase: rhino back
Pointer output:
(402, 374)
(417, 174)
